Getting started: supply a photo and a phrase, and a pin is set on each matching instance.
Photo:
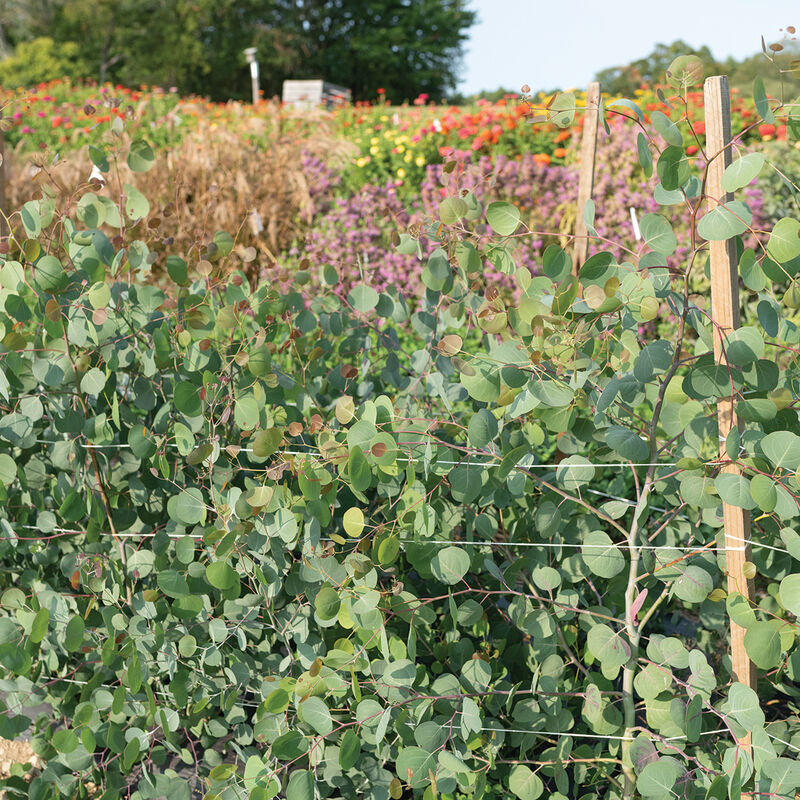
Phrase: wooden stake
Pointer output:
(725, 316)
(3, 226)
(586, 180)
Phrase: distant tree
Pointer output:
(651, 69)
(138, 41)
(742, 73)
(406, 47)
(42, 60)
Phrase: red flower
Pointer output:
(381, 91)
(691, 149)
(699, 128)
(766, 129)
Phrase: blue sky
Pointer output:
(563, 43)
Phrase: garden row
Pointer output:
(391, 143)
(294, 203)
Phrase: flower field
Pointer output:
(394, 143)
(377, 164)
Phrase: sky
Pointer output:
(563, 43)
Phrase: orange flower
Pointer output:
(559, 152)
(562, 136)
(542, 158)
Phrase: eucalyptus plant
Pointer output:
(251, 534)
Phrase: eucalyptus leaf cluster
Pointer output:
(253, 543)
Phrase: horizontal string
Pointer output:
(754, 544)
(682, 548)
(557, 733)
(592, 735)
(245, 704)
(782, 741)
(615, 464)
(699, 547)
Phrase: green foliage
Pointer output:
(43, 59)
(249, 530)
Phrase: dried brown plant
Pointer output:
(216, 179)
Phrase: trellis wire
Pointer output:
(595, 735)
(416, 460)
(558, 734)
(698, 547)
(615, 464)
(245, 704)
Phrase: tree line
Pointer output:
(406, 47)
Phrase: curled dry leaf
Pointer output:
(52, 309)
(450, 345)
(295, 428)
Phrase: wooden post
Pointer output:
(586, 180)
(725, 316)
(3, 226)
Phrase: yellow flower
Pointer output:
(362, 162)
(407, 157)
(401, 148)
(374, 150)
(420, 161)
(374, 140)
(383, 117)
(401, 173)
